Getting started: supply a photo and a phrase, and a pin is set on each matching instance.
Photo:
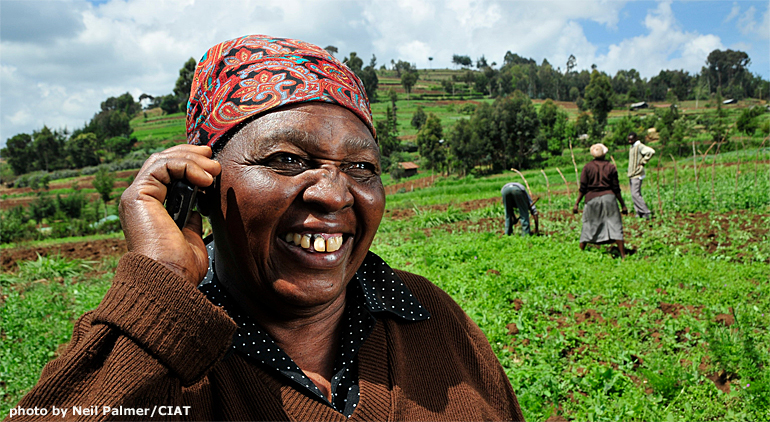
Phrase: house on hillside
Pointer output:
(410, 168)
(639, 106)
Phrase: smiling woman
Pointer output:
(284, 314)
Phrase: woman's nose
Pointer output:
(329, 189)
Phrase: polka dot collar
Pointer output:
(376, 291)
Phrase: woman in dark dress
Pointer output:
(599, 185)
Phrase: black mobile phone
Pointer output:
(180, 201)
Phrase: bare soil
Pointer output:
(92, 250)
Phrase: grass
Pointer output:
(581, 334)
(40, 303)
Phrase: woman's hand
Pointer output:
(149, 229)
(575, 209)
(624, 210)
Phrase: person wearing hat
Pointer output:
(639, 155)
(516, 198)
(599, 186)
(284, 313)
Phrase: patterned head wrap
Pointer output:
(248, 76)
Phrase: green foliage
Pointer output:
(19, 153)
(620, 130)
(555, 127)
(183, 84)
(83, 150)
(429, 143)
(169, 104)
(418, 118)
(408, 79)
(599, 97)
(104, 182)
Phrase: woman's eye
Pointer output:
(287, 163)
(361, 169)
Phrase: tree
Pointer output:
(19, 153)
(169, 104)
(48, 147)
(367, 75)
(119, 145)
(82, 150)
(516, 124)
(124, 103)
(599, 98)
(387, 134)
(354, 62)
(429, 142)
(331, 49)
(418, 118)
(408, 79)
(481, 62)
(571, 63)
(103, 182)
(554, 126)
(462, 61)
(726, 67)
(464, 151)
(183, 84)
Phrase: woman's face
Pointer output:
(300, 200)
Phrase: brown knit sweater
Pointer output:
(156, 345)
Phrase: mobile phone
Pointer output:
(180, 201)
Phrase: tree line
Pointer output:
(725, 73)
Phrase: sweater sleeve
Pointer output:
(153, 334)
(646, 153)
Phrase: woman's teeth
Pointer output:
(315, 242)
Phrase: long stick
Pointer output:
(695, 166)
(547, 187)
(525, 182)
(613, 162)
(675, 175)
(757, 160)
(657, 182)
(565, 182)
(713, 171)
(573, 160)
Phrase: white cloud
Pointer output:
(733, 12)
(665, 46)
(60, 60)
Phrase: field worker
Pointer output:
(600, 187)
(638, 156)
(515, 197)
(284, 313)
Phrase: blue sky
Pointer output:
(60, 59)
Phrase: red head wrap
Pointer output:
(248, 76)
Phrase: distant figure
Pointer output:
(600, 187)
(638, 156)
(515, 196)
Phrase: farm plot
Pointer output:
(677, 331)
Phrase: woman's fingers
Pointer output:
(147, 225)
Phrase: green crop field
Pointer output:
(675, 332)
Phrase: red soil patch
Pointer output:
(94, 250)
(589, 315)
(725, 319)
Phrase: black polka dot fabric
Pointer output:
(374, 292)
